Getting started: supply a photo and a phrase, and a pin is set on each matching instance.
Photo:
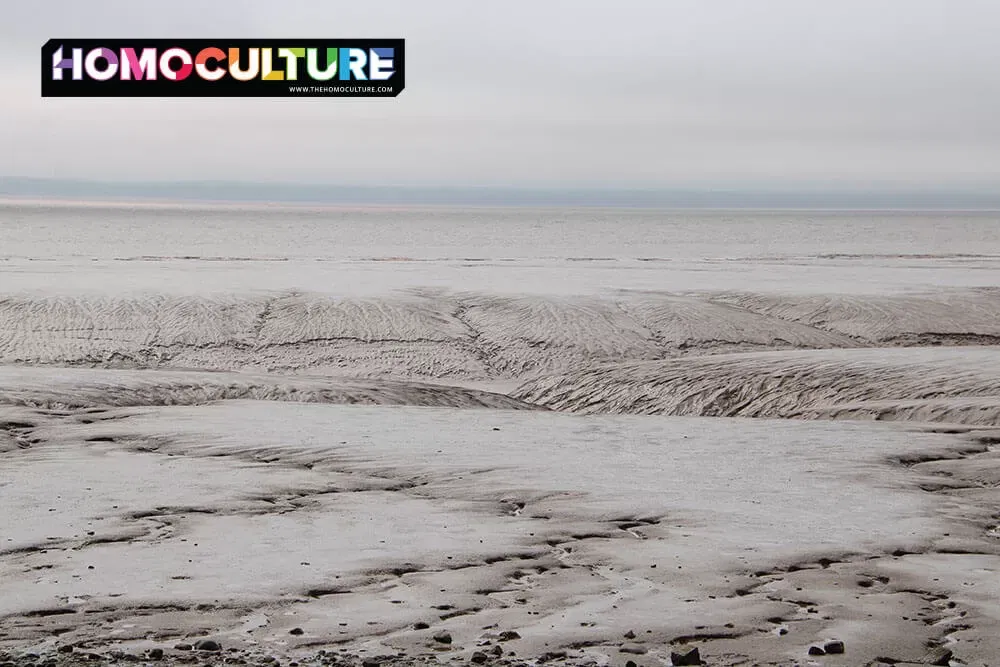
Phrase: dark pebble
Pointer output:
(479, 657)
(296, 631)
(208, 645)
(182, 647)
(834, 647)
(497, 651)
(692, 657)
(508, 635)
(370, 662)
(420, 626)
(443, 637)
(629, 635)
(816, 650)
(66, 648)
(155, 654)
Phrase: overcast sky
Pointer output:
(661, 93)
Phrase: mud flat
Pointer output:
(438, 476)
(280, 529)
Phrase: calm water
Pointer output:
(121, 231)
(54, 248)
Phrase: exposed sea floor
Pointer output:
(499, 436)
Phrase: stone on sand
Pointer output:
(692, 657)
(834, 647)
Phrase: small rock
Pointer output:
(183, 647)
(629, 635)
(634, 649)
(66, 648)
(631, 663)
(443, 637)
(553, 655)
(479, 657)
(420, 625)
(834, 647)
(508, 635)
(497, 651)
(370, 662)
(692, 657)
(155, 653)
(296, 631)
(207, 645)
(816, 650)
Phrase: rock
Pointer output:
(497, 651)
(834, 647)
(370, 662)
(479, 657)
(816, 650)
(155, 653)
(296, 631)
(66, 648)
(183, 647)
(939, 656)
(631, 663)
(692, 657)
(629, 635)
(420, 625)
(508, 635)
(634, 649)
(207, 645)
(443, 637)
(552, 655)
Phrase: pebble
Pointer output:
(692, 657)
(479, 657)
(816, 650)
(155, 654)
(420, 625)
(508, 635)
(182, 647)
(443, 637)
(296, 631)
(834, 647)
(629, 635)
(208, 645)
(635, 649)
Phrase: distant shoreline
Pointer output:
(243, 204)
(317, 195)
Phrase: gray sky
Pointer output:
(667, 93)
